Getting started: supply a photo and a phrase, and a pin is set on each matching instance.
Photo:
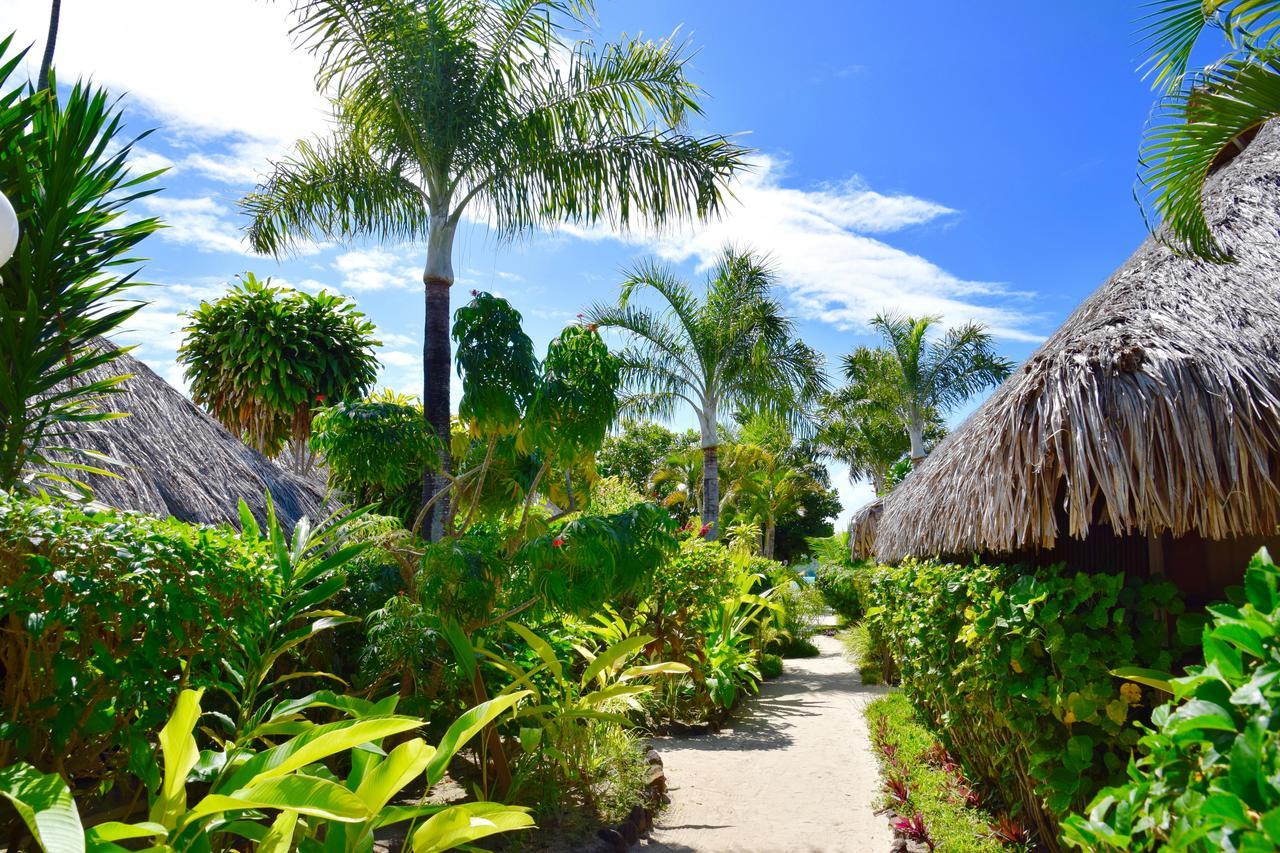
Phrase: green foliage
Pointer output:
(1204, 113)
(937, 790)
(835, 578)
(375, 451)
(106, 615)
(64, 167)
(871, 656)
(283, 798)
(799, 609)
(577, 400)
(636, 451)
(496, 358)
(613, 494)
(770, 666)
(897, 472)
(1208, 776)
(1012, 664)
(262, 359)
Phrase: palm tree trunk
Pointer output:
(915, 431)
(770, 536)
(50, 42)
(710, 473)
(437, 355)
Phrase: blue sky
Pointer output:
(970, 160)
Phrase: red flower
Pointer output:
(703, 531)
(557, 542)
(319, 398)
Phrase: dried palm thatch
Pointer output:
(177, 460)
(1155, 407)
(862, 529)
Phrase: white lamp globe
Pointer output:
(8, 230)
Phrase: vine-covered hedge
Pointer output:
(104, 616)
(1012, 664)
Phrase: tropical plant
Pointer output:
(767, 489)
(375, 451)
(1205, 778)
(63, 165)
(1010, 665)
(860, 424)
(731, 656)
(282, 798)
(636, 451)
(262, 359)
(108, 614)
(451, 106)
(1204, 115)
(932, 376)
(734, 348)
(557, 727)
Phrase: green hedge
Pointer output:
(105, 616)
(1011, 664)
(839, 587)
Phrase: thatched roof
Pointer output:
(1155, 407)
(862, 529)
(181, 462)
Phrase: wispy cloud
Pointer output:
(827, 246)
(379, 268)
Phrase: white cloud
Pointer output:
(378, 268)
(143, 160)
(819, 241)
(395, 358)
(212, 70)
(202, 222)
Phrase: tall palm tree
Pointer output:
(1205, 114)
(768, 487)
(447, 106)
(859, 423)
(934, 374)
(50, 42)
(733, 349)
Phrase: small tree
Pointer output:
(64, 169)
(733, 349)
(262, 359)
(933, 376)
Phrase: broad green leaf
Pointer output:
(44, 803)
(116, 831)
(178, 746)
(303, 794)
(1200, 714)
(542, 648)
(279, 838)
(401, 766)
(615, 654)
(1150, 677)
(667, 668)
(459, 825)
(464, 728)
(314, 745)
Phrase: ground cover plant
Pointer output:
(1011, 665)
(925, 790)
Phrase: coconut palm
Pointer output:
(934, 375)
(1205, 115)
(860, 424)
(733, 349)
(448, 107)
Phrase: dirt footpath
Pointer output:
(794, 772)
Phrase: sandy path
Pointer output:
(794, 773)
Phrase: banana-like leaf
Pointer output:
(459, 825)
(613, 691)
(665, 668)
(542, 648)
(279, 839)
(464, 728)
(314, 745)
(615, 654)
(303, 794)
(353, 706)
(401, 766)
(1150, 677)
(44, 803)
(178, 746)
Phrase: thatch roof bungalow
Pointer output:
(178, 461)
(1144, 434)
(862, 529)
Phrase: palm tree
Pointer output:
(448, 106)
(860, 424)
(933, 375)
(1205, 115)
(50, 41)
(769, 487)
(733, 349)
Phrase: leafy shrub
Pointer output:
(106, 616)
(770, 666)
(838, 587)
(802, 648)
(932, 790)
(873, 660)
(800, 607)
(1209, 775)
(1011, 664)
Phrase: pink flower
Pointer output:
(703, 531)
